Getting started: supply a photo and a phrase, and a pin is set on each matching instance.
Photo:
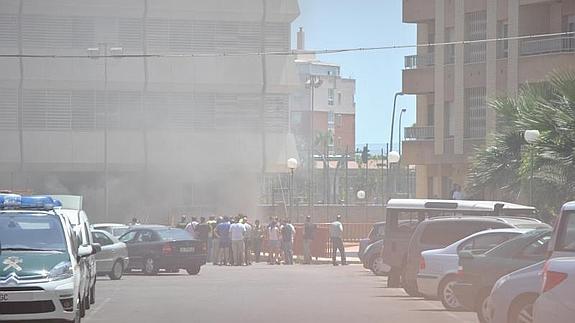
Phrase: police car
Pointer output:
(40, 272)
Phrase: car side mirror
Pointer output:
(88, 250)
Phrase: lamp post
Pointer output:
(313, 82)
(531, 136)
(291, 165)
(393, 119)
(393, 157)
(399, 130)
(361, 196)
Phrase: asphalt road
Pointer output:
(263, 293)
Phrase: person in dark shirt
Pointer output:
(288, 232)
(308, 236)
(257, 238)
(202, 230)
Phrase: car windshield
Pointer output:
(33, 232)
(174, 234)
(507, 248)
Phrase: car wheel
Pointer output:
(378, 266)
(394, 278)
(150, 267)
(117, 270)
(93, 294)
(522, 310)
(193, 270)
(482, 307)
(447, 295)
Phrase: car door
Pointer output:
(130, 238)
(105, 258)
(147, 243)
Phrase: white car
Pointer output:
(438, 267)
(557, 300)
(512, 297)
(115, 229)
(72, 209)
(41, 276)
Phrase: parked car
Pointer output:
(440, 232)
(373, 255)
(375, 234)
(396, 241)
(72, 210)
(113, 258)
(155, 247)
(438, 267)
(115, 229)
(479, 273)
(557, 300)
(41, 277)
(512, 297)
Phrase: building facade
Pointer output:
(159, 130)
(454, 83)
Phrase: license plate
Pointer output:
(3, 297)
(187, 249)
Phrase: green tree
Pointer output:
(504, 164)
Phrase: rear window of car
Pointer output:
(174, 234)
(566, 239)
(444, 233)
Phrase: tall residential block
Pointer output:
(454, 83)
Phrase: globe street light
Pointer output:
(531, 137)
(291, 165)
(361, 196)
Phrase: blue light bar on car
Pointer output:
(15, 201)
(10, 201)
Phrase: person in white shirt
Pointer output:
(247, 241)
(191, 227)
(237, 233)
(336, 236)
(274, 242)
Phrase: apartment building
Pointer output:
(140, 136)
(331, 102)
(454, 83)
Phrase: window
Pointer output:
(567, 232)
(430, 114)
(339, 120)
(32, 231)
(475, 29)
(475, 112)
(449, 49)
(339, 98)
(102, 239)
(538, 248)
(129, 237)
(443, 233)
(146, 236)
(486, 241)
(502, 45)
(330, 96)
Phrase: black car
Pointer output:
(375, 234)
(156, 247)
(478, 273)
(440, 232)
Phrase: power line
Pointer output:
(294, 52)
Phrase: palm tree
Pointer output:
(504, 164)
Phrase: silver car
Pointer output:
(113, 258)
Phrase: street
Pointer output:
(263, 293)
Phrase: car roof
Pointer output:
(149, 226)
(28, 212)
(113, 225)
(569, 206)
(460, 205)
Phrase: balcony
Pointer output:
(419, 133)
(547, 45)
(419, 61)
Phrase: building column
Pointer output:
(491, 65)
(439, 76)
(459, 83)
(513, 52)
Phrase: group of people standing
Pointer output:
(235, 241)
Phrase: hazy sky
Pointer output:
(364, 23)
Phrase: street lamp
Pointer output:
(291, 165)
(399, 130)
(531, 136)
(393, 119)
(313, 82)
